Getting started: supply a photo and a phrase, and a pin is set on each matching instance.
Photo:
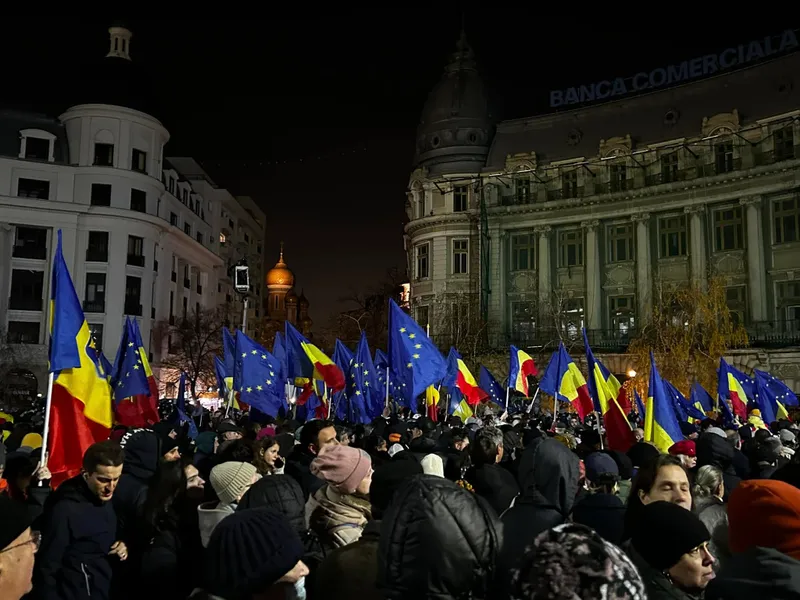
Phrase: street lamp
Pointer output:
(631, 373)
(241, 283)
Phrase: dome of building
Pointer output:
(280, 273)
(291, 299)
(455, 129)
(302, 301)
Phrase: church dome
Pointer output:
(303, 301)
(280, 273)
(291, 298)
(455, 129)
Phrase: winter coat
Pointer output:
(77, 534)
(437, 541)
(209, 515)
(494, 484)
(656, 584)
(714, 515)
(757, 573)
(298, 466)
(337, 519)
(605, 513)
(713, 449)
(548, 479)
(350, 572)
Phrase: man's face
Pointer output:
(172, 455)
(103, 481)
(16, 565)
(326, 437)
(460, 445)
(231, 435)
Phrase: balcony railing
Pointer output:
(546, 339)
(774, 334)
(97, 255)
(136, 260)
(132, 308)
(94, 306)
(769, 157)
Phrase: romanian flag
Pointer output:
(432, 403)
(521, 367)
(467, 384)
(607, 392)
(661, 425)
(729, 388)
(306, 362)
(80, 404)
(149, 402)
(563, 380)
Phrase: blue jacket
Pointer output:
(78, 530)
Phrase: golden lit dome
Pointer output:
(280, 273)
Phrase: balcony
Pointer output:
(97, 255)
(670, 176)
(719, 167)
(94, 306)
(774, 334)
(770, 157)
(136, 260)
(132, 307)
(187, 283)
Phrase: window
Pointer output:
(139, 161)
(420, 204)
(94, 299)
(423, 315)
(460, 257)
(620, 242)
(135, 251)
(23, 332)
(187, 228)
(728, 234)
(787, 220)
(784, 143)
(736, 299)
(523, 321)
(96, 330)
(460, 198)
(723, 157)
(622, 313)
(672, 234)
(139, 200)
(571, 318)
(185, 306)
(37, 148)
(523, 189)
(199, 237)
(133, 295)
(569, 184)
(27, 290)
(30, 242)
(97, 249)
(423, 256)
(788, 308)
(33, 188)
(522, 252)
(571, 248)
(618, 178)
(101, 194)
(173, 219)
(104, 155)
(185, 196)
(246, 238)
(171, 304)
(172, 185)
(669, 167)
(221, 238)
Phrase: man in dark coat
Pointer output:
(313, 437)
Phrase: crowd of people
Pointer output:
(404, 509)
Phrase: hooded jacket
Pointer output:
(78, 532)
(437, 540)
(713, 449)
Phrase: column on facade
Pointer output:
(593, 287)
(644, 281)
(544, 269)
(697, 243)
(756, 270)
(501, 272)
(6, 245)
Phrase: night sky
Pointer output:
(315, 118)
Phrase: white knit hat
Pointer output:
(231, 480)
(432, 464)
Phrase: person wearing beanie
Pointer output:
(18, 544)
(230, 481)
(339, 510)
(686, 450)
(250, 554)
(600, 508)
(670, 549)
(572, 562)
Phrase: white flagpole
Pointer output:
(46, 431)
(387, 387)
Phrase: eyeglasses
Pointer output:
(36, 540)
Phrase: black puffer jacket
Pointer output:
(298, 466)
(495, 485)
(437, 541)
(713, 449)
(280, 493)
(757, 573)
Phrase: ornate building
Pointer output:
(575, 218)
(282, 303)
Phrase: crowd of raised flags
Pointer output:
(86, 393)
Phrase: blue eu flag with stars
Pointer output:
(256, 376)
(129, 378)
(489, 384)
(366, 399)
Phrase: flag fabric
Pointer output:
(413, 357)
(307, 362)
(150, 403)
(228, 351)
(492, 387)
(563, 380)
(366, 400)
(129, 384)
(222, 376)
(255, 376)
(521, 367)
(181, 416)
(279, 352)
(606, 390)
(730, 388)
(661, 425)
(343, 358)
(700, 398)
(81, 410)
(432, 403)
(639, 406)
(685, 411)
(459, 407)
(773, 396)
(459, 375)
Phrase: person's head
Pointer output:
(317, 434)
(460, 439)
(343, 435)
(102, 468)
(19, 472)
(165, 488)
(602, 473)
(18, 545)
(686, 451)
(708, 483)
(664, 479)
(228, 430)
(638, 434)
(386, 480)
(170, 450)
(488, 446)
(195, 485)
(346, 469)
(231, 480)
(674, 541)
(269, 450)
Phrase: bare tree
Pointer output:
(15, 357)
(457, 322)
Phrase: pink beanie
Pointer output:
(343, 467)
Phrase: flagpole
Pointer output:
(387, 387)
(508, 394)
(599, 433)
(46, 431)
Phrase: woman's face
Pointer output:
(671, 485)
(694, 570)
(363, 487)
(193, 479)
(271, 454)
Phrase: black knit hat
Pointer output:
(249, 551)
(665, 532)
(14, 520)
(387, 479)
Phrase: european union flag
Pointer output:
(279, 352)
(256, 376)
(700, 396)
(772, 397)
(228, 351)
(365, 397)
(130, 379)
(491, 386)
(413, 357)
(342, 358)
(222, 374)
(180, 408)
(683, 409)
